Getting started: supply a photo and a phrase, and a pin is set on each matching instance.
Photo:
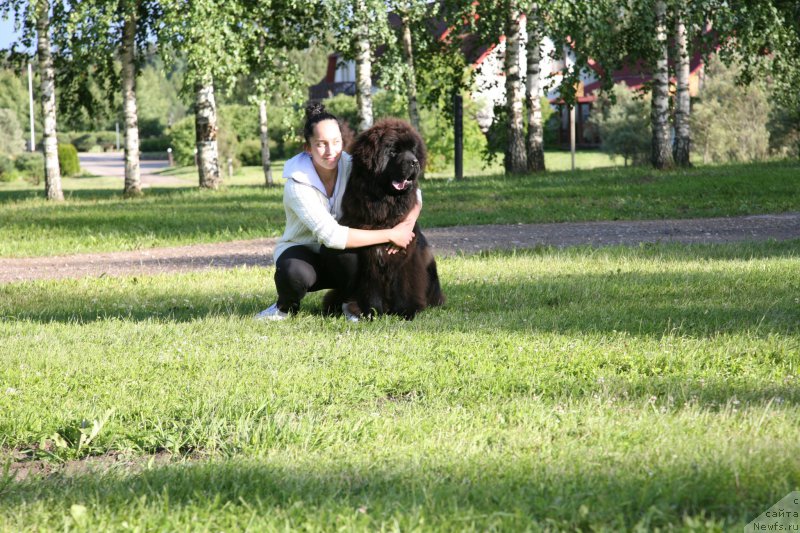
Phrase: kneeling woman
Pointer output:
(313, 253)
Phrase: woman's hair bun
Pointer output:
(314, 108)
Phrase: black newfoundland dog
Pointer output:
(388, 160)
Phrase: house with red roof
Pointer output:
(489, 80)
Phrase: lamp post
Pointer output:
(30, 105)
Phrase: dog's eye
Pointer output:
(392, 154)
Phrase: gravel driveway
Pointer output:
(445, 241)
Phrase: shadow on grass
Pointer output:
(692, 302)
(466, 493)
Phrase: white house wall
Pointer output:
(490, 80)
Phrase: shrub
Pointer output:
(12, 140)
(624, 125)
(496, 138)
(107, 140)
(729, 121)
(151, 127)
(6, 169)
(155, 144)
(68, 160)
(31, 166)
(250, 152)
(182, 140)
(241, 121)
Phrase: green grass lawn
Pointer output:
(96, 217)
(578, 389)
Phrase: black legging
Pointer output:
(299, 271)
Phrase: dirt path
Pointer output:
(446, 241)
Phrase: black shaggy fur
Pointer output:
(388, 160)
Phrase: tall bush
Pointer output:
(729, 121)
(68, 160)
(12, 140)
(623, 122)
(30, 165)
(182, 140)
(6, 169)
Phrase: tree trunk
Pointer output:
(363, 71)
(52, 170)
(264, 127)
(682, 103)
(408, 53)
(661, 155)
(535, 138)
(133, 182)
(516, 160)
(205, 123)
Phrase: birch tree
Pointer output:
(534, 140)
(516, 157)
(34, 20)
(52, 170)
(412, 13)
(209, 35)
(133, 180)
(276, 29)
(95, 33)
(682, 144)
(360, 26)
(661, 155)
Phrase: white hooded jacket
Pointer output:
(311, 216)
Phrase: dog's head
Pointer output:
(392, 155)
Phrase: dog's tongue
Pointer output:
(401, 185)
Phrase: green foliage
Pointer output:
(239, 121)
(182, 137)
(68, 160)
(14, 96)
(182, 140)
(155, 144)
(496, 138)
(250, 152)
(623, 120)
(89, 141)
(12, 139)
(31, 166)
(7, 173)
(157, 96)
(729, 122)
(228, 140)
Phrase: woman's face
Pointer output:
(325, 144)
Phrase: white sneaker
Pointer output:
(272, 313)
(348, 314)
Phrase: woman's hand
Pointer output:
(402, 234)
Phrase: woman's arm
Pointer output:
(401, 236)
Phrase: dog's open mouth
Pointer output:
(402, 185)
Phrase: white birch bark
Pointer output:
(411, 91)
(661, 155)
(515, 160)
(133, 182)
(682, 146)
(205, 123)
(264, 130)
(363, 71)
(535, 137)
(52, 170)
